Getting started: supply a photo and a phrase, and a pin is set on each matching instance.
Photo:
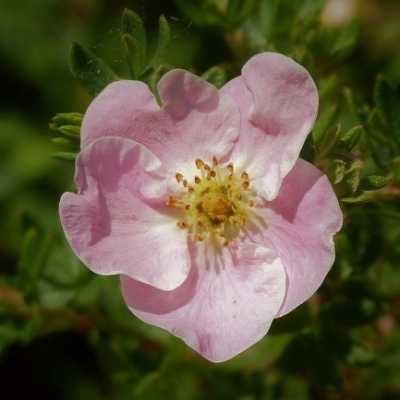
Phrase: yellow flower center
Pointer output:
(217, 202)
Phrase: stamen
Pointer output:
(215, 161)
(179, 177)
(229, 167)
(199, 163)
(197, 179)
(246, 184)
(183, 224)
(244, 176)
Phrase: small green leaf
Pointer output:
(64, 155)
(133, 25)
(238, 10)
(73, 118)
(360, 198)
(162, 48)
(134, 41)
(347, 39)
(216, 76)
(60, 141)
(92, 73)
(71, 131)
(387, 98)
(324, 122)
(373, 182)
(359, 356)
(349, 139)
(329, 142)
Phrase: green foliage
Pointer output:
(344, 342)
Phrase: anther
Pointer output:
(244, 176)
(197, 179)
(183, 224)
(213, 174)
(239, 197)
(184, 182)
(246, 184)
(187, 207)
(199, 163)
(215, 161)
(251, 203)
(179, 177)
(225, 242)
(230, 177)
(199, 237)
(191, 189)
(229, 167)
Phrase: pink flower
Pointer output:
(202, 205)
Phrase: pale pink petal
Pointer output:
(300, 223)
(227, 303)
(278, 103)
(117, 221)
(195, 121)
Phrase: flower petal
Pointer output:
(300, 223)
(278, 103)
(115, 223)
(227, 303)
(195, 121)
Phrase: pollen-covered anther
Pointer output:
(244, 176)
(215, 203)
(179, 177)
(199, 163)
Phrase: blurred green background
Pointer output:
(66, 334)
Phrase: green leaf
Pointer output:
(162, 48)
(373, 182)
(238, 10)
(387, 98)
(359, 356)
(349, 139)
(92, 73)
(60, 141)
(134, 42)
(347, 39)
(359, 198)
(216, 76)
(73, 119)
(324, 122)
(64, 155)
(33, 256)
(329, 142)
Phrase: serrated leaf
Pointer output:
(324, 122)
(163, 44)
(349, 139)
(92, 73)
(387, 98)
(373, 182)
(64, 155)
(216, 76)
